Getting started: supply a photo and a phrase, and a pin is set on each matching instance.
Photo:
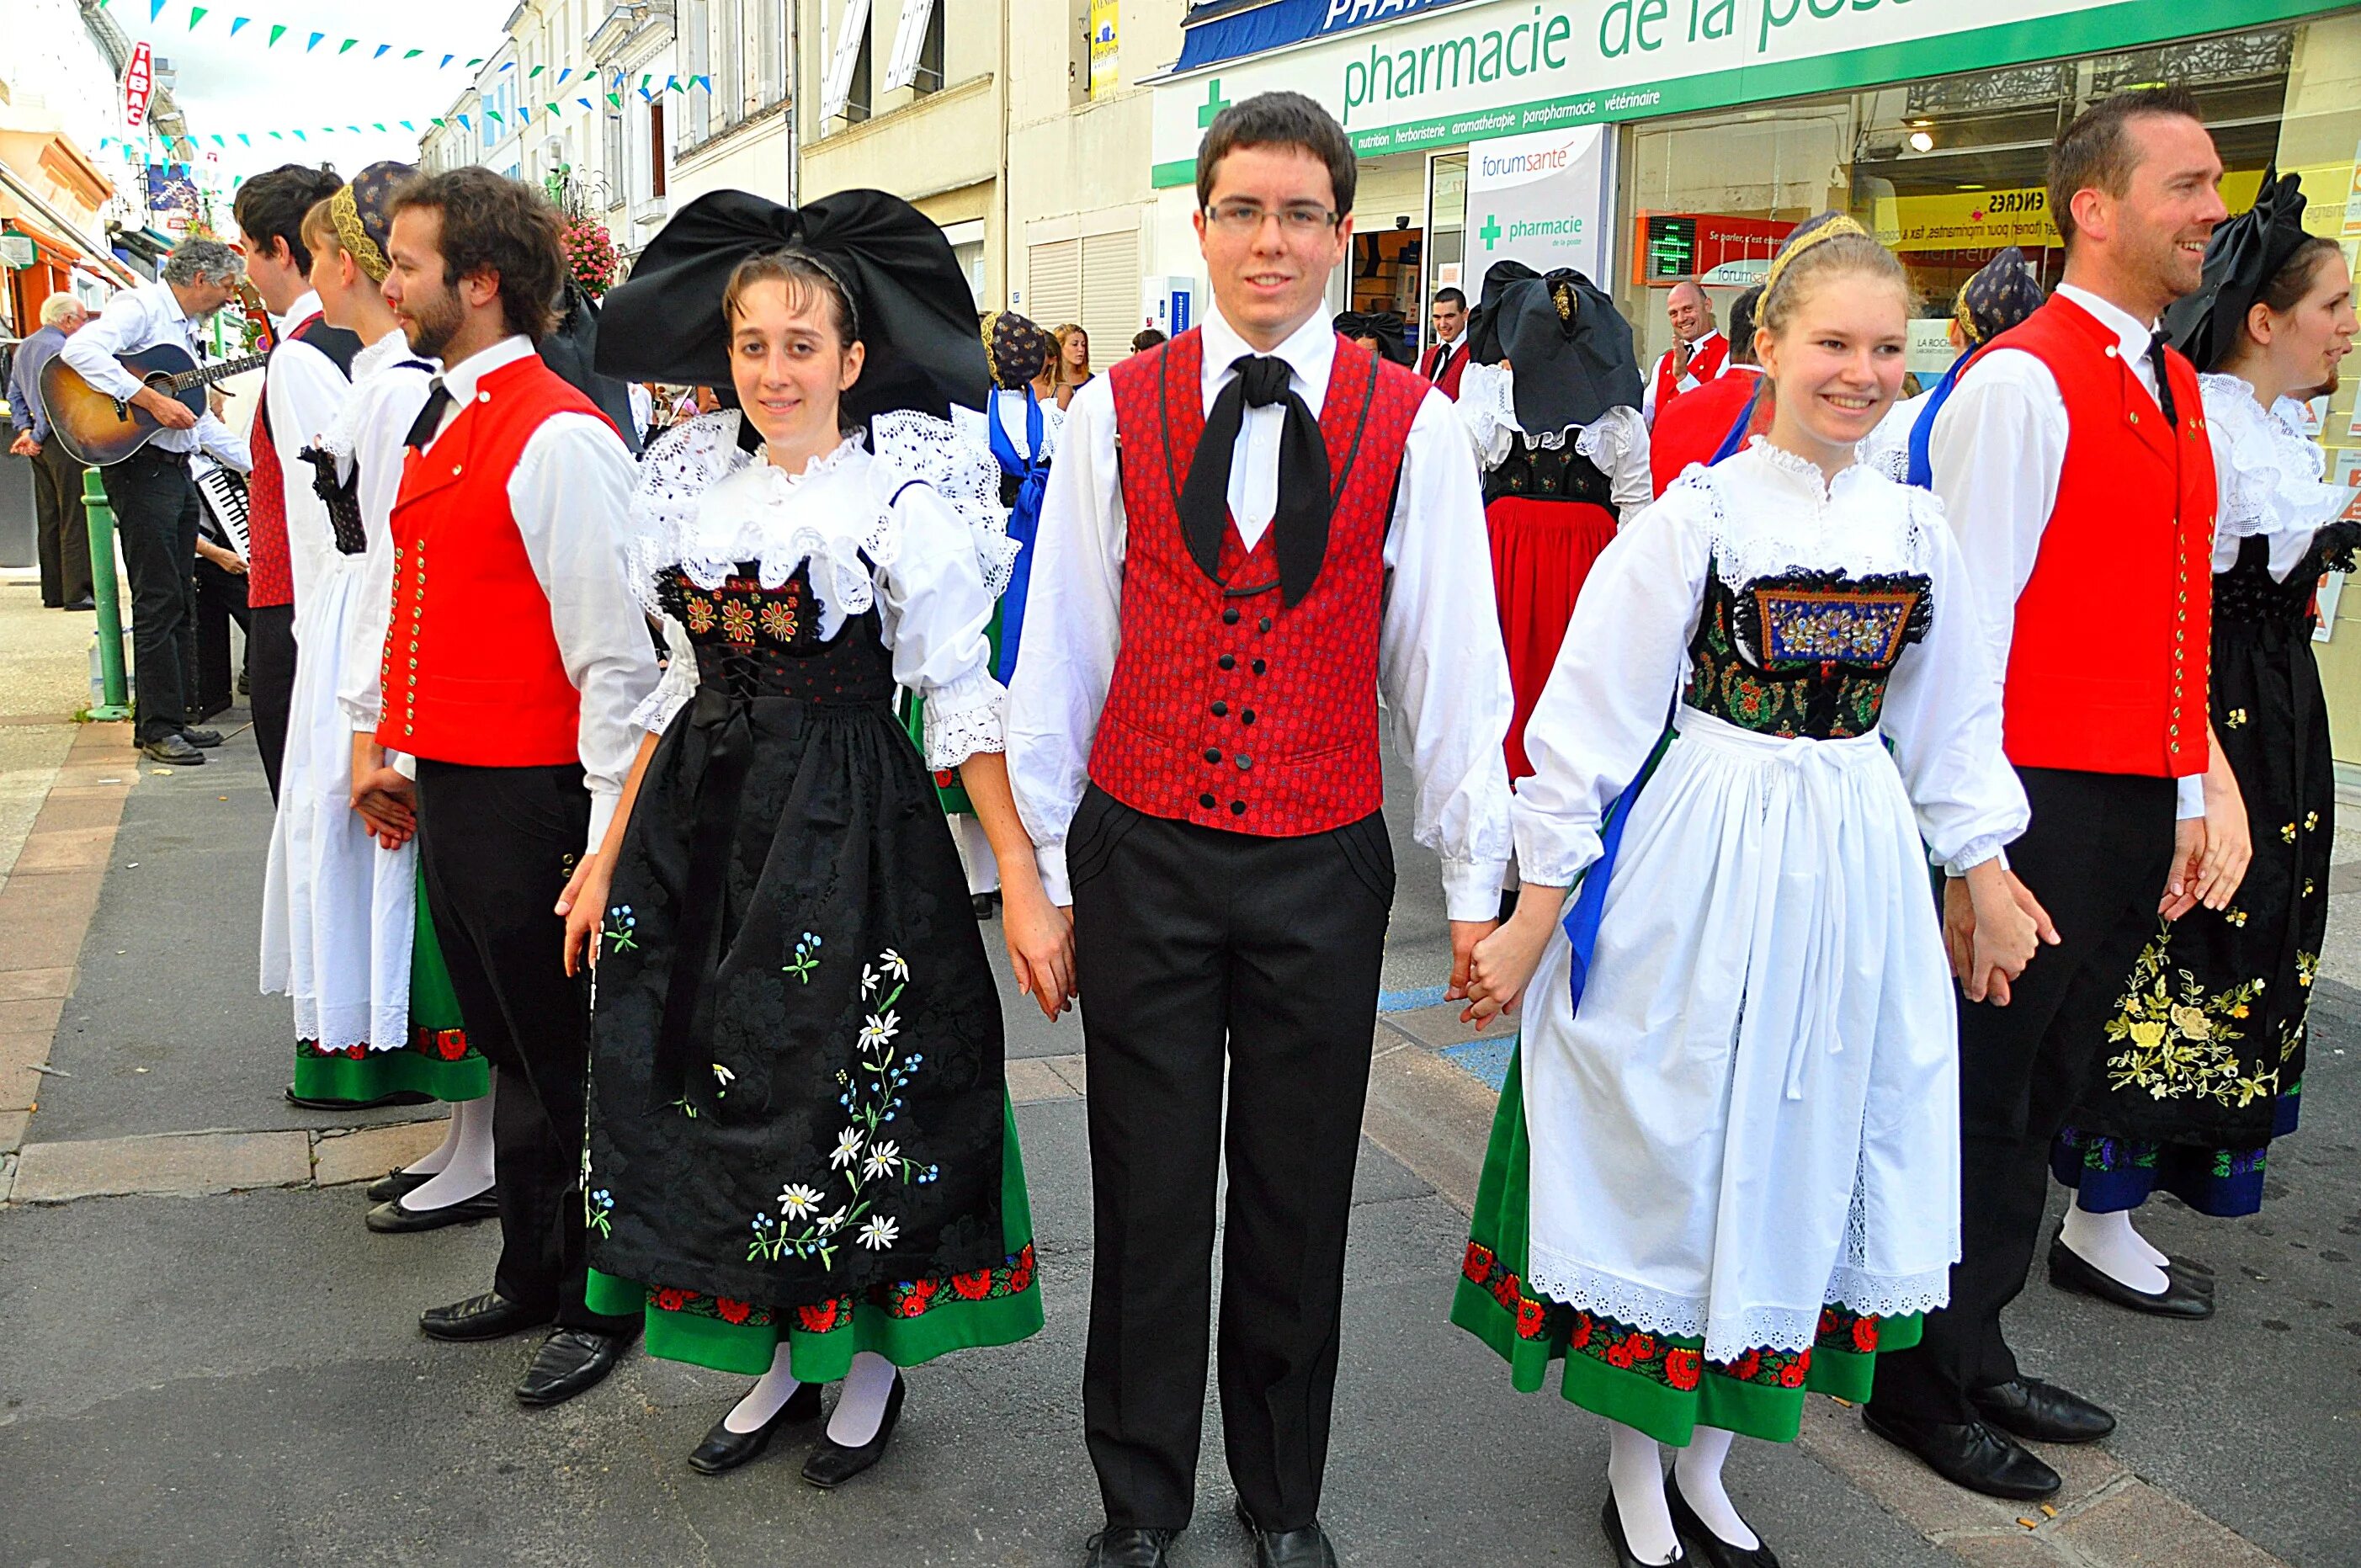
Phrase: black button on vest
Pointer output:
(1206, 801)
(1220, 710)
(1230, 616)
(1213, 754)
(1228, 661)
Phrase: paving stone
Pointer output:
(69, 808)
(1435, 1027)
(2087, 1468)
(12, 1130)
(29, 984)
(1073, 1068)
(369, 1153)
(20, 1086)
(65, 849)
(1832, 1433)
(31, 1015)
(1030, 1080)
(2023, 1549)
(2137, 1526)
(1431, 1117)
(172, 1163)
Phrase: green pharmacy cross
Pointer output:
(1490, 231)
(1214, 104)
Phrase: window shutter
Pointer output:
(836, 92)
(1110, 303)
(909, 42)
(1053, 285)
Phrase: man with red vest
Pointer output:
(511, 669)
(306, 382)
(1197, 753)
(1692, 427)
(1446, 358)
(1698, 354)
(2074, 464)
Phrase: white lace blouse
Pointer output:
(1762, 513)
(1616, 442)
(908, 522)
(2268, 473)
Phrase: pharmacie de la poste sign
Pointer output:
(1467, 72)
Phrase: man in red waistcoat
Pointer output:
(1692, 427)
(2074, 466)
(306, 382)
(1197, 753)
(1446, 361)
(1699, 355)
(510, 674)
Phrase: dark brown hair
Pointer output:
(2293, 281)
(492, 223)
(271, 206)
(803, 275)
(1279, 119)
(2095, 154)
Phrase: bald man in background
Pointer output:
(1699, 353)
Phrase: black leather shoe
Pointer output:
(569, 1362)
(488, 1316)
(397, 1219)
(204, 739)
(1711, 1548)
(983, 904)
(399, 1097)
(2068, 1272)
(724, 1450)
(1969, 1454)
(172, 748)
(2041, 1412)
(832, 1465)
(395, 1183)
(1611, 1520)
(1120, 1546)
(83, 603)
(1305, 1547)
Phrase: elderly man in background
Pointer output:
(153, 494)
(1699, 353)
(56, 477)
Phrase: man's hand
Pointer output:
(25, 446)
(1465, 935)
(170, 413)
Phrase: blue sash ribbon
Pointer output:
(1922, 434)
(1737, 436)
(1582, 916)
(1032, 475)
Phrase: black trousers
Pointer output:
(2096, 856)
(64, 527)
(497, 846)
(221, 598)
(1201, 947)
(270, 681)
(156, 509)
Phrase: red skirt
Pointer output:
(1542, 550)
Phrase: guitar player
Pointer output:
(154, 498)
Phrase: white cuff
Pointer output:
(1051, 860)
(2192, 796)
(963, 718)
(1975, 853)
(1471, 889)
(604, 798)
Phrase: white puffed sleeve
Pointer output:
(1487, 406)
(677, 686)
(1612, 686)
(1615, 443)
(935, 606)
(1942, 714)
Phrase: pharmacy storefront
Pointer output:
(1649, 142)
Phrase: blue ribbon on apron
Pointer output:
(1582, 916)
(1032, 475)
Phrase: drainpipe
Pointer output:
(1000, 88)
(794, 101)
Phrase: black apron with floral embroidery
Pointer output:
(797, 1084)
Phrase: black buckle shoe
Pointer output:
(2042, 1413)
(396, 1183)
(1123, 1546)
(398, 1219)
(1611, 1520)
(569, 1362)
(1715, 1550)
(2068, 1271)
(1306, 1546)
(724, 1450)
(1969, 1454)
(204, 739)
(488, 1316)
(832, 1465)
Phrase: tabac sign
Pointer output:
(138, 86)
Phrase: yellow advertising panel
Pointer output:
(1986, 220)
(1105, 61)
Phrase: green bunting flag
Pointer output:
(277, 31)
(196, 14)
(347, 46)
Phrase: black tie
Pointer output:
(2163, 382)
(430, 418)
(1301, 524)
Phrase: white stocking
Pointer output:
(860, 1404)
(1635, 1474)
(468, 1173)
(1698, 1468)
(975, 854)
(766, 1398)
(2108, 1244)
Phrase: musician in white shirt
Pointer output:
(155, 501)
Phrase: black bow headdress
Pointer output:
(2241, 259)
(1387, 326)
(1569, 346)
(911, 302)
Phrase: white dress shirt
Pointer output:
(1441, 666)
(570, 494)
(302, 394)
(142, 318)
(1998, 448)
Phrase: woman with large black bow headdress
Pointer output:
(2205, 1056)
(801, 1162)
(1552, 398)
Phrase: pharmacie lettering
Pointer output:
(1470, 60)
(1779, 14)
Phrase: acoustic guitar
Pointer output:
(98, 429)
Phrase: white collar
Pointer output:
(1453, 345)
(2132, 333)
(460, 379)
(1310, 351)
(306, 306)
(1708, 336)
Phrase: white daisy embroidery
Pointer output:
(723, 1076)
(880, 1031)
(848, 1149)
(883, 1157)
(868, 981)
(831, 1223)
(878, 1234)
(797, 1199)
(894, 963)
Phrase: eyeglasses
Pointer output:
(1297, 220)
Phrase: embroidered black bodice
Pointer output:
(2247, 600)
(343, 501)
(754, 642)
(1547, 473)
(1805, 654)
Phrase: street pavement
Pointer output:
(192, 1375)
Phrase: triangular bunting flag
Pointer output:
(586, 102)
(236, 23)
(412, 54)
(466, 123)
(536, 71)
(553, 108)
(615, 100)
(300, 137)
(196, 14)
(347, 46)
(244, 139)
(277, 31)
(276, 137)
(380, 51)
(377, 124)
(154, 9)
(447, 62)
(218, 142)
(315, 43)
(405, 125)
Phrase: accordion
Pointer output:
(224, 519)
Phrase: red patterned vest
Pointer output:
(1705, 364)
(1227, 708)
(472, 672)
(2132, 531)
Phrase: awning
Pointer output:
(30, 210)
(1229, 29)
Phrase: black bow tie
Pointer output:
(2163, 382)
(430, 418)
(1299, 525)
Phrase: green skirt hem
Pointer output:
(380, 1073)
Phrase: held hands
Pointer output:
(386, 800)
(584, 907)
(1992, 926)
(1503, 960)
(1041, 943)
(170, 413)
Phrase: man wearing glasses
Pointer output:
(1197, 756)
